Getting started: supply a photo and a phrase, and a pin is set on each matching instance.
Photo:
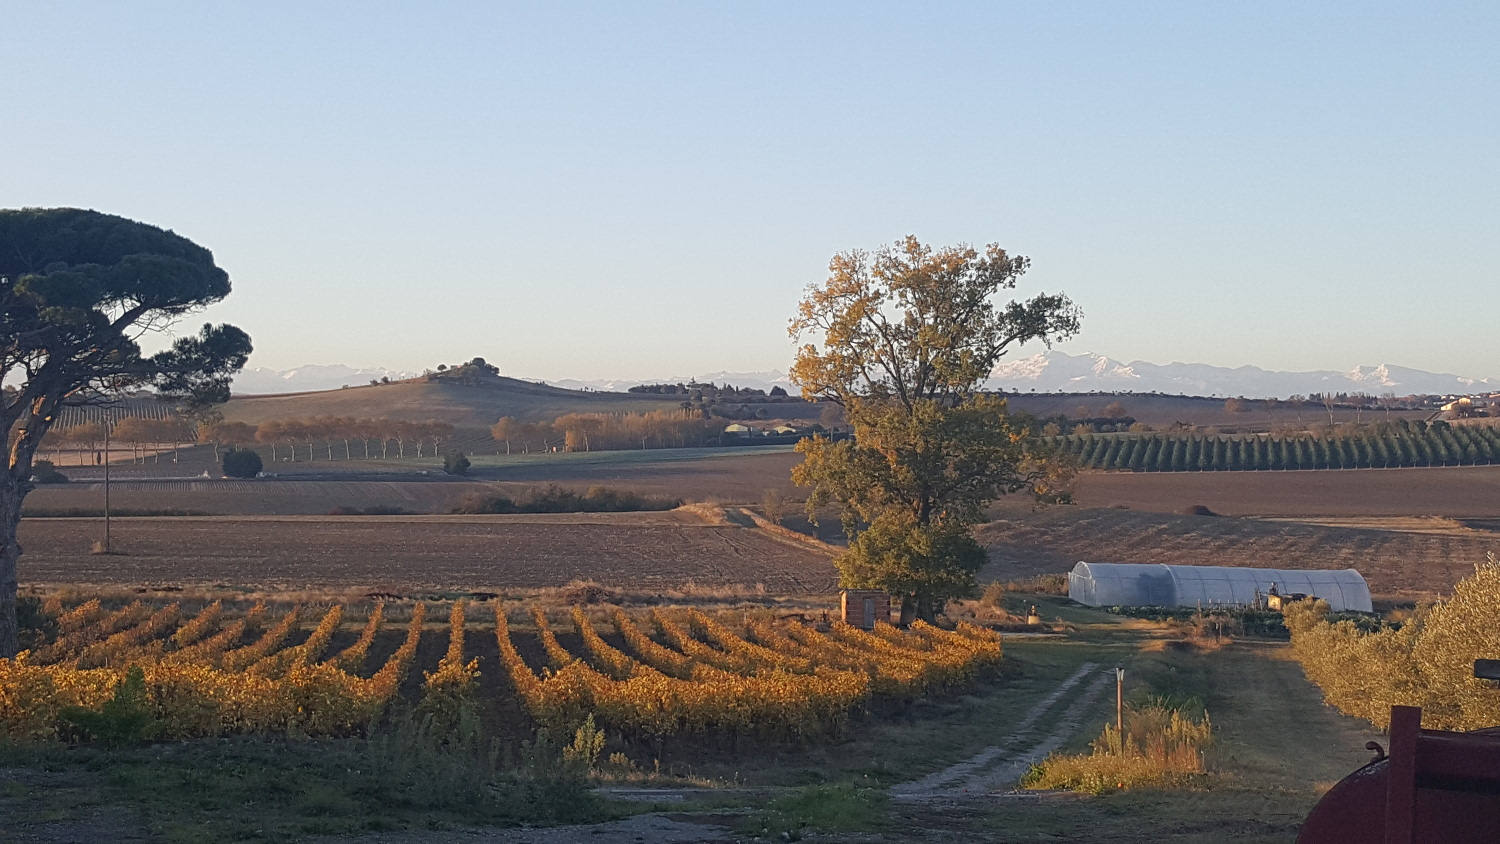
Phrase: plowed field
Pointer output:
(399, 554)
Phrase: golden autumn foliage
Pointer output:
(189, 690)
(704, 675)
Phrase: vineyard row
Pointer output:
(674, 673)
(1398, 444)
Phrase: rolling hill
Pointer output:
(471, 405)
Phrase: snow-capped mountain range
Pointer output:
(1058, 371)
(306, 379)
(1044, 372)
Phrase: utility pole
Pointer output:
(1120, 705)
(108, 424)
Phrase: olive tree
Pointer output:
(77, 290)
(902, 340)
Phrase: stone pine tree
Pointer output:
(76, 290)
(902, 339)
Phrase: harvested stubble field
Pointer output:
(402, 554)
(726, 474)
(1399, 563)
(1456, 492)
(261, 497)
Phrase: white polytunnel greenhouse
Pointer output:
(1157, 585)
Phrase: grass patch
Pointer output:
(842, 807)
(406, 776)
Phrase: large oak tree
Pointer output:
(904, 339)
(77, 289)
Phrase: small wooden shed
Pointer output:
(863, 607)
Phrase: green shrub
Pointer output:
(36, 626)
(455, 463)
(412, 762)
(125, 719)
(242, 463)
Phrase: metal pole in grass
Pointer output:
(1120, 706)
(107, 425)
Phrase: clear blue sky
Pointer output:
(627, 189)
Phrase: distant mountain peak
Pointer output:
(310, 378)
(1055, 371)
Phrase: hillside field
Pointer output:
(727, 475)
(465, 405)
(1404, 563)
(1454, 492)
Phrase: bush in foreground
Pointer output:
(1426, 662)
(241, 463)
(455, 463)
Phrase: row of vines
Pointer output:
(204, 675)
(1387, 445)
(673, 673)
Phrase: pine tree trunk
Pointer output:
(11, 494)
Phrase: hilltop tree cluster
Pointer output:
(700, 392)
(726, 402)
(474, 372)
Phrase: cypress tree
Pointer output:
(1149, 460)
(1179, 454)
(1194, 448)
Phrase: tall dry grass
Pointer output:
(1162, 745)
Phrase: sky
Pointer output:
(642, 189)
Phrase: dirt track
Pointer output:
(1000, 767)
